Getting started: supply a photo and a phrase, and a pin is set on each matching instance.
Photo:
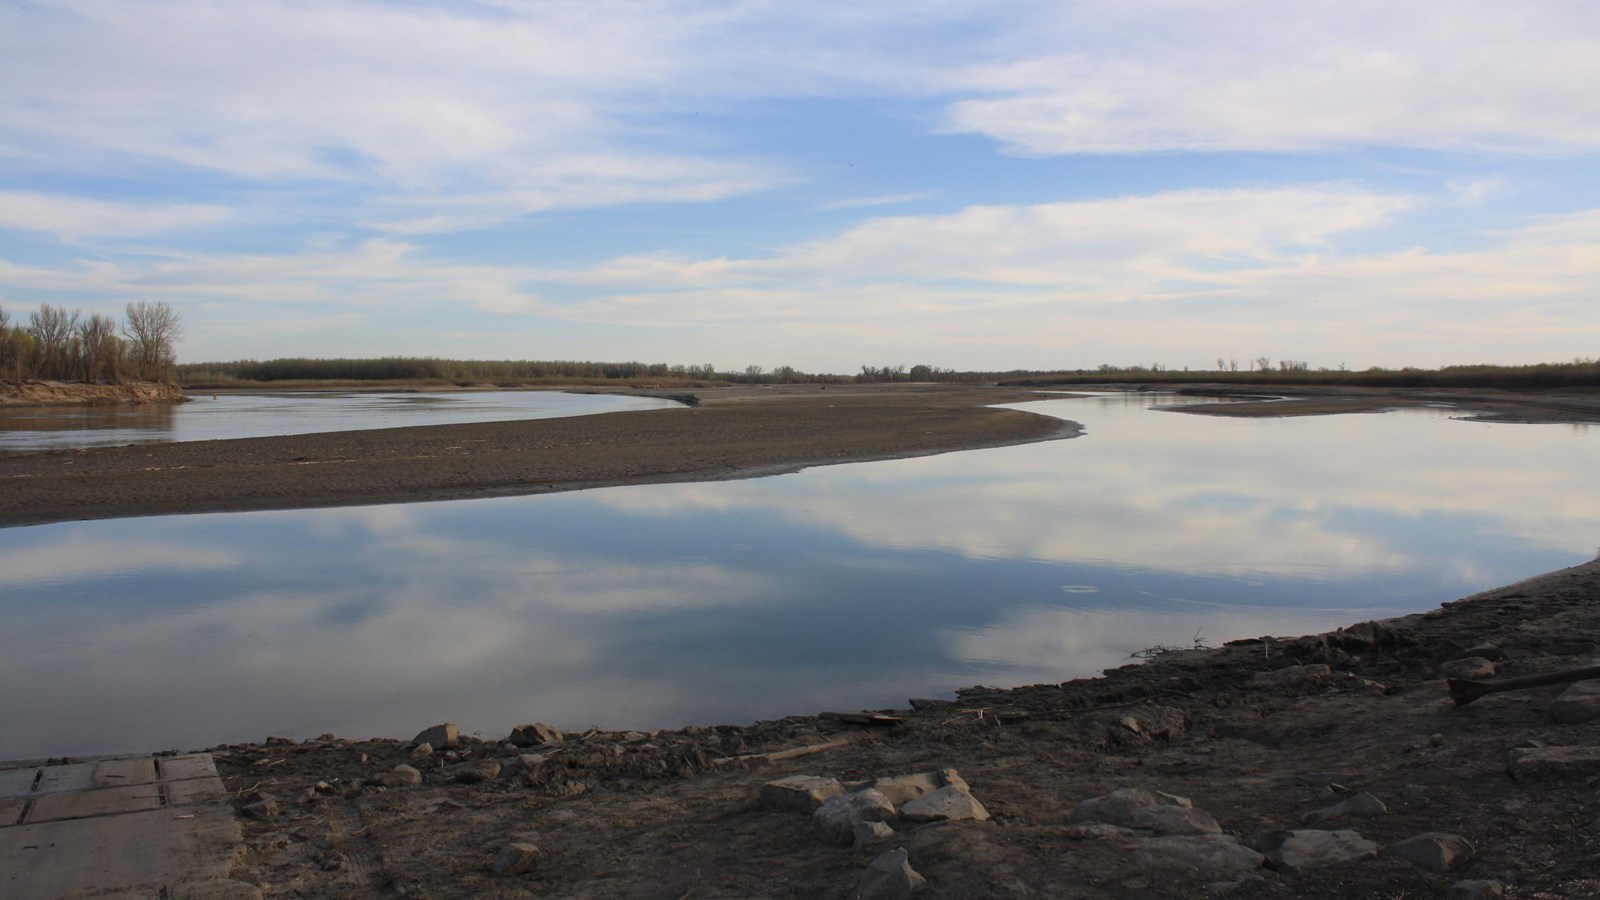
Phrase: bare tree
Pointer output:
(52, 327)
(99, 348)
(153, 329)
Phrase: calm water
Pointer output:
(838, 587)
(214, 417)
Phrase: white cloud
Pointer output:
(1255, 75)
(71, 217)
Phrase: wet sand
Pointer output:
(734, 433)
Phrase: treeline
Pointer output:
(1580, 373)
(1261, 370)
(56, 343)
(506, 371)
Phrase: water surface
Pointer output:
(219, 416)
(838, 587)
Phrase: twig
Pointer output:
(778, 755)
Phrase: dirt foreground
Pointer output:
(731, 433)
(1349, 740)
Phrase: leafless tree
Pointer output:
(99, 348)
(53, 327)
(153, 330)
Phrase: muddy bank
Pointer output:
(77, 393)
(731, 433)
(1529, 407)
(1351, 731)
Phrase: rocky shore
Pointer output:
(1329, 766)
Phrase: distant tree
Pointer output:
(99, 349)
(153, 329)
(52, 329)
(1263, 363)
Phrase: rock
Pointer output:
(1295, 852)
(1130, 723)
(476, 772)
(1097, 831)
(1362, 804)
(209, 889)
(634, 737)
(904, 788)
(890, 877)
(1580, 702)
(1476, 890)
(1571, 648)
(869, 833)
(402, 775)
(1470, 667)
(1120, 806)
(951, 803)
(534, 734)
(836, 818)
(265, 808)
(1542, 763)
(1206, 857)
(1164, 819)
(514, 859)
(530, 760)
(446, 735)
(422, 750)
(1486, 651)
(802, 792)
(1293, 677)
(1434, 851)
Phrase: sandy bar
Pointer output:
(733, 433)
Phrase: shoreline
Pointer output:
(1350, 732)
(731, 433)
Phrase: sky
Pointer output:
(824, 185)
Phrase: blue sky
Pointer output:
(822, 185)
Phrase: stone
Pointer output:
(904, 788)
(1434, 851)
(1362, 804)
(1553, 763)
(1579, 703)
(1293, 677)
(802, 792)
(1491, 889)
(869, 833)
(476, 772)
(265, 808)
(1487, 651)
(422, 750)
(446, 735)
(634, 737)
(1120, 806)
(1572, 648)
(890, 877)
(534, 734)
(1163, 819)
(836, 818)
(1469, 667)
(1295, 852)
(951, 803)
(1321, 779)
(514, 859)
(402, 775)
(530, 760)
(1205, 857)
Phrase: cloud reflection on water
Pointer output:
(840, 586)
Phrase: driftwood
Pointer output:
(1463, 691)
(779, 755)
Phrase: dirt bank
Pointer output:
(1259, 736)
(1563, 406)
(77, 393)
(733, 432)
